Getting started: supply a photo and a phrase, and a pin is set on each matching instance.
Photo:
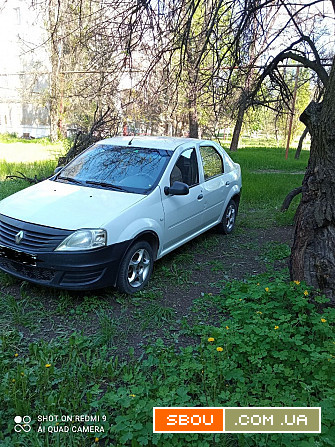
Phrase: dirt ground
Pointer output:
(199, 268)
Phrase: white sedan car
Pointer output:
(103, 219)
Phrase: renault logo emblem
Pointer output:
(19, 236)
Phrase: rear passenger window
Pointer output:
(211, 161)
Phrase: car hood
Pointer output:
(67, 206)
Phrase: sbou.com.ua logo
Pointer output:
(22, 424)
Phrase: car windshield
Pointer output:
(127, 169)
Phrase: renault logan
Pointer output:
(103, 219)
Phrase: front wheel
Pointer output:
(136, 268)
(227, 223)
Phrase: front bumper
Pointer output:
(91, 269)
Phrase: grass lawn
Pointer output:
(28, 153)
(30, 157)
(13, 150)
(267, 178)
(115, 357)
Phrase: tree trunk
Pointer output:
(54, 93)
(239, 122)
(53, 117)
(193, 115)
(54, 11)
(301, 140)
(313, 251)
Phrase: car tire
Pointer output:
(227, 224)
(135, 268)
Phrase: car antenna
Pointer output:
(129, 144)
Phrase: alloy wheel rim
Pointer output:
(138, 268)
(230, 217)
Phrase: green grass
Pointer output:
(256, 158)
(267, 178)
(14, 149)
(42, 169)
(278, 349)
(10, 138)
(270, 141)
(29, 157)
(39, 168)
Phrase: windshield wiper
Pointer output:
(69, 179)
(105, 185)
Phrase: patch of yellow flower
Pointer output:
(48, 365)
(132, 395)
(306, 292)
(267, 289)
(210, 339)
(16, 354)
(323, 320)
(227, 327)
(276, 327)
(296, 282)
(259, 312)
(219, 349)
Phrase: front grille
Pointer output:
(40, 274)
(36, 238)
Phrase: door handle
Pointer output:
(200, 196)
(227, 183)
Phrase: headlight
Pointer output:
(84, 240)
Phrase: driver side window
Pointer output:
(186, 169)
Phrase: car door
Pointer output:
(215, 183)
(183, 214)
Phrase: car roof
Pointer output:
(167, 143)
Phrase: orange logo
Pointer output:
(188, 420)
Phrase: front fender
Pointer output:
(140, 226)
(146, 215)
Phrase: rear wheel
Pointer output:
(227, 224)
(136, 268)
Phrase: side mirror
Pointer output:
(59, 168)
(177, 189)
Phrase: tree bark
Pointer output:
(239, 122)
(193, 114)
(301, 140)
(54, 12)
(313, 252)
